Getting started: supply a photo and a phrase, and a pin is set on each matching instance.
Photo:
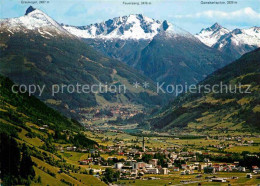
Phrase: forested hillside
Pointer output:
(219, 112)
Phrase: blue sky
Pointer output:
(188, 14)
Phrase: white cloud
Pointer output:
(242, 14)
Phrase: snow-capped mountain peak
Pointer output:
(216, 26)
(134, 26)
(239, 41)
(34, 20)
(209, 36)
(250, 37)
(41, 16)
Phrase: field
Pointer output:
(164, 142)
(176, 178)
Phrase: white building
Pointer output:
(139, 165)
(164, 171)
(241, 169)
(148, 166)
(152, 171)
(118, 165)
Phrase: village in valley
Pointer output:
(104, 114)
(160, 160)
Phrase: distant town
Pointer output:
(137, 160)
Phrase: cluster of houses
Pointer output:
(228, 142)
(70, 148)
(234, 138)
(124, 111)
(120, 110)
(132, 168)
(131, 164)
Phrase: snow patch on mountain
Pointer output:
(211, 35)
(218, 36)
(33, 20)
(250, 36)
(126, 27)
(172, 30)
(135, 26)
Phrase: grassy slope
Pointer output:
(19, 116)
(14, 106)
(218, 113)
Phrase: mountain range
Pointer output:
(232, 42)
(116, 35)
(158, 49)
(41, 146)
(35, 49)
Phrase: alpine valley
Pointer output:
(214, 112)
(37, 50)
(139, 136)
